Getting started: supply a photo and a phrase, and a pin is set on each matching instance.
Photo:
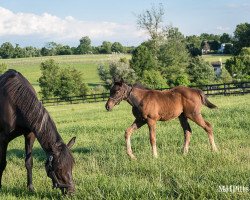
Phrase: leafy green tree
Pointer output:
(194, 45)
(225, 77)
(153, 79)
(200, 72)
(242, 37)
(3, 68)
(117, 47)
(7, 50)
(209, 37)
(45, 52)
(85, 45)
(64, 50)
(106, 47)
(173, 56)
(56, 82)
(238, 66)
(18, 52)
(70, 84)
(214, 45)
(228, 49)
(142, 59)
(48, 82)
(31, 51)
(116, 70)
(225, 38)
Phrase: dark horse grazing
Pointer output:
(150, 106)
(21, 113)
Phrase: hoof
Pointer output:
(31, 188)
(132, 157)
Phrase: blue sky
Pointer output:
(36, 22)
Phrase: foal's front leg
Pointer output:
(29, 141)
(137, 124)
(152, 134)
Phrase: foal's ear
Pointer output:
(71, 142)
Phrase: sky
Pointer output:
(37, 22)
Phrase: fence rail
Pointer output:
(210, 90)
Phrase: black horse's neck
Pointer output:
(47, 134)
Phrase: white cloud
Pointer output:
(53, 27)
(222, 28)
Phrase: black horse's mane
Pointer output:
(22, 95)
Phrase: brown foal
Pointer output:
(150, 106)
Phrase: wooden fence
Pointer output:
(215, 89)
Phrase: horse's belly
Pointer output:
(168, 115)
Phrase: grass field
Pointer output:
(103, 170)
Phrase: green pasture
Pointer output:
(216, 57)
(104, 171)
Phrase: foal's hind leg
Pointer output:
(137, 124)
(29, 141)
(152, 136)
(198, 119)
(187, 132)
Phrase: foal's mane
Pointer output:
(140, 86)
(22, 95)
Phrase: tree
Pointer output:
(238, 66)
(106, 47)
(214, 45)
(173, 56)
(7, 50)
(117, 47)
(225, 77)
(153, 79)
(49, 80)
(31, 51)
(56, 82)
(18, 52)
(45, 52)
(70, 84)
(117, 70)
(194, 45)
(151, 21)
(225, 38)
(63, 50)
(142, 59)
(85, 45)
(200, 72)
(242, 37)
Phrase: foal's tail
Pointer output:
(205, 101)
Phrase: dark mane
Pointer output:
(22, 95)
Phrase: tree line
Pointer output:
(7, 50)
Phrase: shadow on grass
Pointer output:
(37, 153)
(82, 150)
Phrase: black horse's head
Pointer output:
(118, 92)
(59, 167)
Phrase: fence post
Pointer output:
(224, 89)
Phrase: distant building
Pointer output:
(206, 48)
(222, 48)
(217, 67)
